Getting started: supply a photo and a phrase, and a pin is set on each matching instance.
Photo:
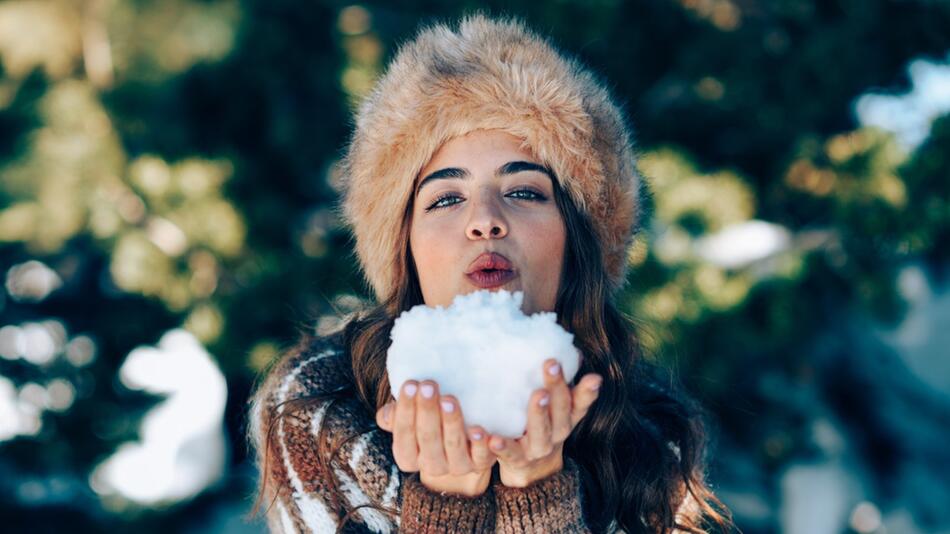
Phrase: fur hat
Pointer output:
(486, 74)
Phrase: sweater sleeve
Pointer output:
(426, 511)
(551, 505)
(302, 494)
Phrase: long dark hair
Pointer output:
(642, 446)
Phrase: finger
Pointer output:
(583, 396)
(508, 450)
(384, 416)
(429, 430)
(560, 401)
(538, 436)
(454, 440)
(405, 449)
(580, 366)
(482, 457)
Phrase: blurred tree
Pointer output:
(172, 164)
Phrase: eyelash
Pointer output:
(538, 198)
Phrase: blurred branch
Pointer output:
(96, 51)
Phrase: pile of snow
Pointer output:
(183, 448)
(483, 350)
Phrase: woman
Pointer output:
(483, 159)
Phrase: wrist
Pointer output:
(522, 478)
(470, 485)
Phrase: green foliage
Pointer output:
(173, 164)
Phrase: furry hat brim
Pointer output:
(487, 74)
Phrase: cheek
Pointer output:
(555, 251)
(430, 249)
(546, 248)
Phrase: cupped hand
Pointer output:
(429, 436)
(553, 413)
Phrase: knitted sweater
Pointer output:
(298, 491)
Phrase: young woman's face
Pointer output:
(481, 194)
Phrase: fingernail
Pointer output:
(387, 411)
(410, 390)
(427, 390)
(554, 369)
(447, 406)
(476, 436)
(498, 445)
(596, 385)
(544, 400)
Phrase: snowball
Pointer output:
(483, 350)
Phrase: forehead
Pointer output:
(477, 146)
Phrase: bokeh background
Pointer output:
(167, 174)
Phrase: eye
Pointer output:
(520, 194)
(527, 194)
(441, 202)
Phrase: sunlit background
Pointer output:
(167, 173)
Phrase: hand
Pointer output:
(553, 413)
(429, 436)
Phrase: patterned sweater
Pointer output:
(298, 491)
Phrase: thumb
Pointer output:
(384, 417)
(583, 396)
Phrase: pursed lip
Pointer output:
(490, 260)
(490, 270)
(491, 279)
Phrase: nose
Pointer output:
(486, 221)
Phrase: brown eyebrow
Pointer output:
(511, 167)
